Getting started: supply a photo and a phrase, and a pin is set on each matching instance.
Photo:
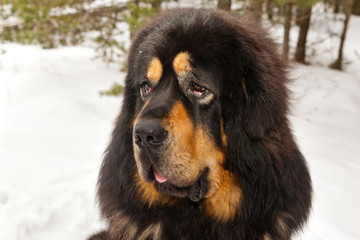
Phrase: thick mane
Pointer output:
(260, 151)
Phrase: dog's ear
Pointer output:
(265, 101)
(256, 85)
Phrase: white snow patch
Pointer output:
(54, 127)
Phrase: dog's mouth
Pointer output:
(195, 192)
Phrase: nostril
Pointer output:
(156, 139)
(137, 139)
(151, 140)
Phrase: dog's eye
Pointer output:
(145, 88)
(197, 89)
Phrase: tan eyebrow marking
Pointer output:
(181, 63)
(154, 71)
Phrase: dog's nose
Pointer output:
(149, 133)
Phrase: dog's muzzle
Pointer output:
(149, 137)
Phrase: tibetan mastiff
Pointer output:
(202, 148)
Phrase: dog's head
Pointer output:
(202, 140)
(197, 93)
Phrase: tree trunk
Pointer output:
(269, 9)
(338, 62)
(259, 10)
(255, 9)
(287, 26)
(297, 16)
(337, 6)
(224, 5)
(356, 8)
(304, 22)
(326, 5)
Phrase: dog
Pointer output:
(202, 148)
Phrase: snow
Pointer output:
(54, 127)
(326, 123)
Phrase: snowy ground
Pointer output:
(54, 127)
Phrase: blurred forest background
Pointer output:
(54, 23)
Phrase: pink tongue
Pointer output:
(159, 177)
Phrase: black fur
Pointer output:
(248, 78)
